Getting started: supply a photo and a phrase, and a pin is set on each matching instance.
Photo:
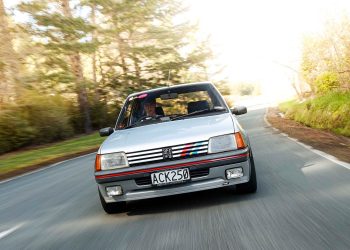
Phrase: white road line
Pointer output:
(42, 169)
(9, 231)
(321, 153)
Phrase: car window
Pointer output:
(180, 104)
(126, 118)
(167, 104)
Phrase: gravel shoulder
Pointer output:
(338, 146)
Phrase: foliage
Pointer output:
(326, 82)
(325, 58)
(224, 87)
(75, 62)
(330, 111)
(35, 119)
(325, 67)
(15, 130)
(243, 89)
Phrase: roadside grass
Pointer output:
(26, 158)
(285, 106)
(330, 111)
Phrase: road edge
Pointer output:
(44, 168)
(316, 151)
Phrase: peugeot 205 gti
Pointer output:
(173, 140)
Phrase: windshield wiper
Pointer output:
(214, 109)
(130, 126)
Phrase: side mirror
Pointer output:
(106, 131)
(240, 110)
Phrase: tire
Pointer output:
(251, 185)
(112, 208)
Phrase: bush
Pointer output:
(101, 116)
(48, 115)
(326, 82)
(35, 119)
(15, 130)
(244, 89)
(330, 111)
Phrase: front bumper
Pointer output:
(213, 166)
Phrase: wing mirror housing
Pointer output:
(239, 110)
(106, 131)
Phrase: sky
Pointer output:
(255, 38)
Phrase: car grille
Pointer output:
(193, 173)
(178, 152)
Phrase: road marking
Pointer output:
(316, 151)
(9, 231)
(323, 154)
(42, 169)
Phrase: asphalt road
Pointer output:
(303, 202)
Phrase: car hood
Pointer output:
(168, 134)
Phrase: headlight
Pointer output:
(111, 161)
(224, 143)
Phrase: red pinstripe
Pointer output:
(194, 163)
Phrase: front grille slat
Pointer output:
(194, 154)
(195, 148)
(178, 151)
(144, 156)
(145, 160)
(199, 173)
(143, 181)
(191, 145)
(159, 150)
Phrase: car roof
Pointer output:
(170, 87)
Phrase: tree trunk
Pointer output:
(94, 67)
(296, 90)
(9, 70)
(136, 61)
(121, 48)
(101, 71)
(78, 73)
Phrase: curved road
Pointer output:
(303, 202)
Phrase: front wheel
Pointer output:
(251, 185)
(112, 208)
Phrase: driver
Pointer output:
(150, 108)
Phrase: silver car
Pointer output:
(173, 140)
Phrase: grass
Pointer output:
(285, 106)
(330, 111)
(26, 158)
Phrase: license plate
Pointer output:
(170, 176)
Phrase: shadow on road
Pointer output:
(188, 201)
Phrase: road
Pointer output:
(303, 202)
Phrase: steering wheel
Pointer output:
(147, 117)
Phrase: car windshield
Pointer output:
(169, 104)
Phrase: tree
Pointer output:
(325, 57)
(86, 56)
(142, 44)
(63, 37)
(9, 68)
